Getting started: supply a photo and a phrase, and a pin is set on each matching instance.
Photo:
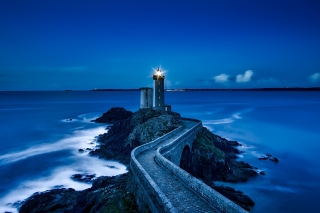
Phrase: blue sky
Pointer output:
(81, 45)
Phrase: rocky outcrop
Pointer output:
(84, 178)
(236, 196)
(113, 115)
(214, 159)
(107, 194)
(141, 127)
(152, 129)
(270, 157)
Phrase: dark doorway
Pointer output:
(185, 161)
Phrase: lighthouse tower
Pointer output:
(158, 91)
(146, 97)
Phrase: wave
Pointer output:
(231, 119)
(237, 116)
(219, 121)
(84, 118)
(74, 141)
(60, 176)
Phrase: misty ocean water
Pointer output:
(39, 146)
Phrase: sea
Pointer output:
(41, 134)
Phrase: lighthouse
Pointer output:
(146, 97)
(158, 91)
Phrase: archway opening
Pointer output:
(185, 161)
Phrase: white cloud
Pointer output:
(241, 78)
(221, 78)
(314, 77)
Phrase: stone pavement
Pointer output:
(180, 196)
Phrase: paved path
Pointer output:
(180, 196)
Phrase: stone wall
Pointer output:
(148, 194)
(210, 195)
(173, 151)
(146, 191)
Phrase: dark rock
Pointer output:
(236, 196)
(116, 143)
(274, 159)
(55, 200)
(81, 150)
(89, 149)
(107, 194)
(233, 143)
(112, 167)
(114, 114)
(214, 159)
(85, 178)
(262, 173)
(263, 158)
(269, 156)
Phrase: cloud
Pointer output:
(246, 77)
(315, 77)
(221, 78)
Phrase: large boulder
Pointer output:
(235, 195)
(152, 129)
(114, 114)
(124, 135)
(214, 159)
(107, 194)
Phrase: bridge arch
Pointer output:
(186, 159)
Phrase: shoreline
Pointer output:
(100, 141)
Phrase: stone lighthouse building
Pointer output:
(154, 97)
(158, 91)
(146, 97)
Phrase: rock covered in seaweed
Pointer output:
(236, 196)
(214, 159)
(107, 194)
(114, 114)
(141, 127)
(152, 129)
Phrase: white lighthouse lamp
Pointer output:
(159, 72)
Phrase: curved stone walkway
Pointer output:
(180, 196)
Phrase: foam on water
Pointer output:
(77, 139)
(219, 121)
(236, 116)
(61, 176)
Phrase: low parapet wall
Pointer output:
(173, 151)
(204, 191)
(150, 193)
(153, 196)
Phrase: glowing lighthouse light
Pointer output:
(158, 90)
(158, 72)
